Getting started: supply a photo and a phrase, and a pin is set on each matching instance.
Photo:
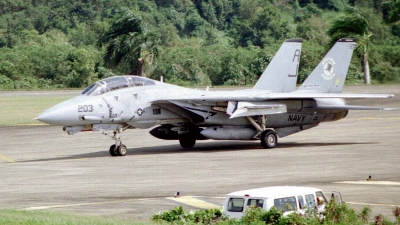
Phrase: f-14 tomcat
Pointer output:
(272, 108)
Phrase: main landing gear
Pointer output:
(187, 140)
(118, 149)
(268, 137)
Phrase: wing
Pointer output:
(251, 102)
(253, 95)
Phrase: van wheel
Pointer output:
(269, 139)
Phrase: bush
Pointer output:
(335, 214)
(179, 216)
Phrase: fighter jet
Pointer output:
(272, 108)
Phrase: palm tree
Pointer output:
(352, 24)
(130, 46)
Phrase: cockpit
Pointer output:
(114, 83)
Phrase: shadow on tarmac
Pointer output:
(226, 146)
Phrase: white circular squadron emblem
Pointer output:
(328, 64)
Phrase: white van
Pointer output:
(288, 199)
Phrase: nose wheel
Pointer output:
(118, 149)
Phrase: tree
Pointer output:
(130, 45)
(352, 24)
(391, 11)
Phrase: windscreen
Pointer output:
(115, 83)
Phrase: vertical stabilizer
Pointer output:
(281, 73)
(330, 74)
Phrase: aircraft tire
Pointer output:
(187, 141)
(113, 150)
(121, 150)
(269, 139)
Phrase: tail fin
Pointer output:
(281, 73)
(330, 74)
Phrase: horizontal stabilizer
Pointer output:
(356, 107)
(258, 108)
(305, 95)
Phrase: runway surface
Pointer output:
(43, 168)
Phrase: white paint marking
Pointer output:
(372, 182)
(188, 200)
(80, 204)
(373, 204)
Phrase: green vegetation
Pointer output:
(57, 44)
(22, 110)
(334, 214)
(20, 217)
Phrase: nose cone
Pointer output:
(64, 114)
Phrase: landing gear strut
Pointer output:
(268, 137)
(118, 149)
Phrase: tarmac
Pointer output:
(43, 168)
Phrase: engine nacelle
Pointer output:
(339, 115)
(229, 133)
(165, 133)
(169, 132)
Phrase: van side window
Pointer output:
(310, 199)
(235, 204)
(286, 204)
(301, 202)
(255, 202)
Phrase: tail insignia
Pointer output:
(328, 64)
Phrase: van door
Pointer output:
(235, 207)
(337, 197)
(236, 204)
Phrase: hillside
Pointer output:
(48, 44)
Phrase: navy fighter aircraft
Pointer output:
(272, 108)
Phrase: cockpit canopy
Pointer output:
(114, 83)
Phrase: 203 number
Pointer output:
(85, 108)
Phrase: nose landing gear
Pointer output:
(118, 149)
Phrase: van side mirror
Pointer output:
(337, 197)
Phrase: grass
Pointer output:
(22, 110)
(22, 217)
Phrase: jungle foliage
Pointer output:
(334, 214)
(70, 44)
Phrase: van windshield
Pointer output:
(235, 204)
